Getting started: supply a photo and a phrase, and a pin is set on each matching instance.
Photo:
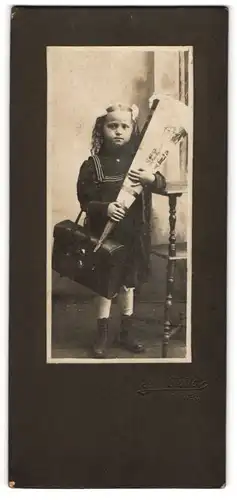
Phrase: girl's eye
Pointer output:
(114, 126)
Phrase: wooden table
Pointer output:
(172, 252)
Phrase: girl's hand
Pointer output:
(141, 176)
(116, 212)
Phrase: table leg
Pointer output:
(170, 274)
(168, 306)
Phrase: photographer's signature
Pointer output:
(187, 387)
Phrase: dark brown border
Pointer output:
(74, 426)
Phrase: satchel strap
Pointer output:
(79, 216)
(100, 177)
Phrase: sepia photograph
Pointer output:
(119, 204)
(118, 220)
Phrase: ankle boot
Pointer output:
(101, 344)
(126, 339)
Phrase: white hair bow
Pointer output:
(134, 110)
(100, 112)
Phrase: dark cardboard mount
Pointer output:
(92, 426)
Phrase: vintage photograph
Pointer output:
(119, 204)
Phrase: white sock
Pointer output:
(126, 299)
(103, 307)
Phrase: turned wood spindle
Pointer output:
(170, 273)
(172, 223)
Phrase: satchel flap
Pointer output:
(67, 230)
(62, 226)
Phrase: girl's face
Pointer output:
(118, 128)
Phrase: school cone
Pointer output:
(165, 127)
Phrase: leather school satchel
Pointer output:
(73, 257)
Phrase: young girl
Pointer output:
(115, 139)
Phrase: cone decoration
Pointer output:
(168, 122)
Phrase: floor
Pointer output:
(74, 328)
